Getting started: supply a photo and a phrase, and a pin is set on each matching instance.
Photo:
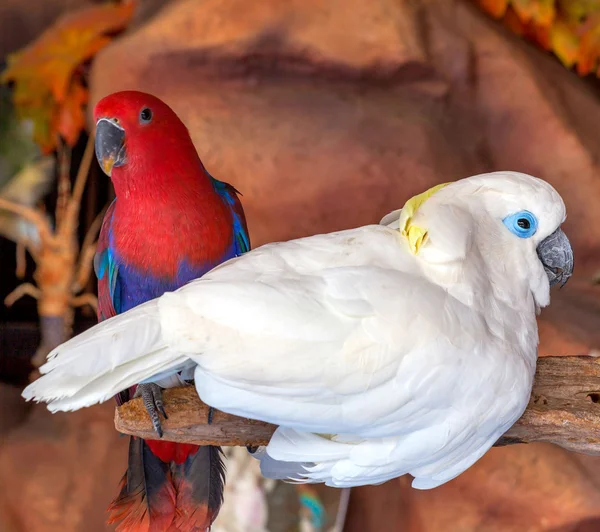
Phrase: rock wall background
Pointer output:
(327, 114)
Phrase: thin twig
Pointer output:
(85, 299)
(84, 268)
(31, 215)
(83, 171)
(21, 260)
(32, 249)
(71, 218)
(29, 246)
(92, 231)
(86, 255)
(25, 289)
(64, 182)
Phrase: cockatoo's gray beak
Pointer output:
(557, 257)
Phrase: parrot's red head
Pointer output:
(140, 138)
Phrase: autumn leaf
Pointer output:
(496, 8)
(512, 21)
(568, 28)
(565, 43)
(577, 11)
(539, 34)
(48, 89)
(71, 117)
(589, 51)
(527, 29)
(541, 12)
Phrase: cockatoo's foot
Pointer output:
(211, 412)
(152, 396)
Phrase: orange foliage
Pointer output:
(568, 28)
(49, 87)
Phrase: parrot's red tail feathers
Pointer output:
(169, 451)
(181, 494)
(199, 482)
(147, 501)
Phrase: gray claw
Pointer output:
(152, 396)
(159, 403)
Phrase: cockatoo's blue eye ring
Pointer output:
(522, 223)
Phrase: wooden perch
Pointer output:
(188, 422)
(564, 409)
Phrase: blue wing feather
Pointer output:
(106, 268)
(230, 195)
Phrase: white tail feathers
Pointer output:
(301, 457)
(104, 360)
(279, 470)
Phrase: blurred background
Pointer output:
(325, 114)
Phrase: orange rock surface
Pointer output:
(60, 471)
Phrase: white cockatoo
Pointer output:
(404, 347)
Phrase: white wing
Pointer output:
(104, 360)
(313, 339)
(129, 348)
(325, 333)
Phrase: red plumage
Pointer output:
(169, 451)
(167, 206)
(171, 222)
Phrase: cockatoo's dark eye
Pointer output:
(145, 115)
(523, 224)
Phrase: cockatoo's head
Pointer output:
(508, 221)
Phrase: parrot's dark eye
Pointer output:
(145, 115)
(524, 223)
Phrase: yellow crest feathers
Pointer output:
(415, 235)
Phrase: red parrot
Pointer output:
(171, 222)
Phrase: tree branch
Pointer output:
(21, 260)
(564, 409)
(188, 422)
(84, 267)
(64, 181)
(87, 252)
(31, 215)
(85, 299)
(24, 246)
(25, 289)
(71, 218)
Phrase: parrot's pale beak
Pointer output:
(110, 147)
(557, 257)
